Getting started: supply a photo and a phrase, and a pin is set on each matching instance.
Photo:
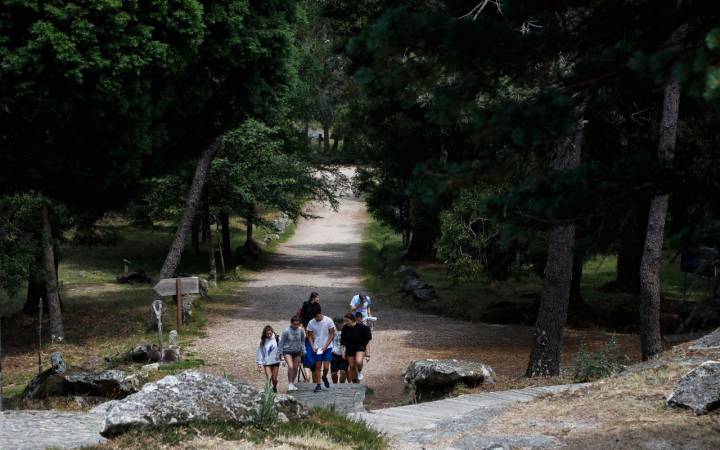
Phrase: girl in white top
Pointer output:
(268, 356)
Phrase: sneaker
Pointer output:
(326, 382)
(317, 388)
(360, 376)
(291, 387)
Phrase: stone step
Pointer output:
(403, 419)
(344, 398)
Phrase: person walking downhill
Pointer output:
(307, 313)
(355, 338)
(292, 348)
(338, 365)
(267, 356)
(321, 332)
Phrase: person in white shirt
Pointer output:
(361, 303)
(321, 332)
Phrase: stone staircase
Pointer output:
(445, 423)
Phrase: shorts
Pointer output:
(272, 365)
(338, 363)
(352, 351)
(293, 355)
(314, 358)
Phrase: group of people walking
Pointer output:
(318, 345)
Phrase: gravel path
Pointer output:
(324, 256)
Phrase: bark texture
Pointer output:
(630, 250)
(326, 140)
(57, 333)
(196, 235)
(212, 278)
(650, 338)
(552, 314)
(224, 219)
(191, 205)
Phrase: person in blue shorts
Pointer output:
(320, 332)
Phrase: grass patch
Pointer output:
(179, 366)
(324, 429)
(380, 256)
(628, 411)
(103, 318)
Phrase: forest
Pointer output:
(503, 148)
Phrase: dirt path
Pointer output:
(324, 255)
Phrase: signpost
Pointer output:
(177, 287)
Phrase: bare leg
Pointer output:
(351, 373)
(342, 376)
(291, 368)
(316, 372)
(359, 360)
(274, 375)
(334, 376)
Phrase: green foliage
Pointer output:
(18, 244)
(266, 415)
(591, 366)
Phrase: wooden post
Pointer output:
(40, 306)
(178, 296)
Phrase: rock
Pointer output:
(171, 354)
(281, 223)
(107, 384)
(189, 396)
(699, 389)
(406, 271)
(153, 366)
(271, 237)
(142, 353)
(410, 283)
(431, 373)
(416, 287)
(58, 363)
(710, 341)
(425, 294)
(172, 338)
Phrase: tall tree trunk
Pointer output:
(422, 242)
(210, 246)
(191, 204)
(205, 225)
(196, 235)
(249, 233)
(552, 314)
(336, 143)
(224, 219)
(630, 250)
(650, 339)
(222, 264)
(326, 138)
(57, 333)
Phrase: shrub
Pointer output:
(265, 416)
(591, 366)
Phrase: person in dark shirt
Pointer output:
(355, 338)
(307, 312)
(309, 309)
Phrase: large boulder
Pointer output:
(710, 341)
(446, 373)
(189, 396)
(59, 381)
(699, 389)
(420, 290)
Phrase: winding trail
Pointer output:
(324, 256)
